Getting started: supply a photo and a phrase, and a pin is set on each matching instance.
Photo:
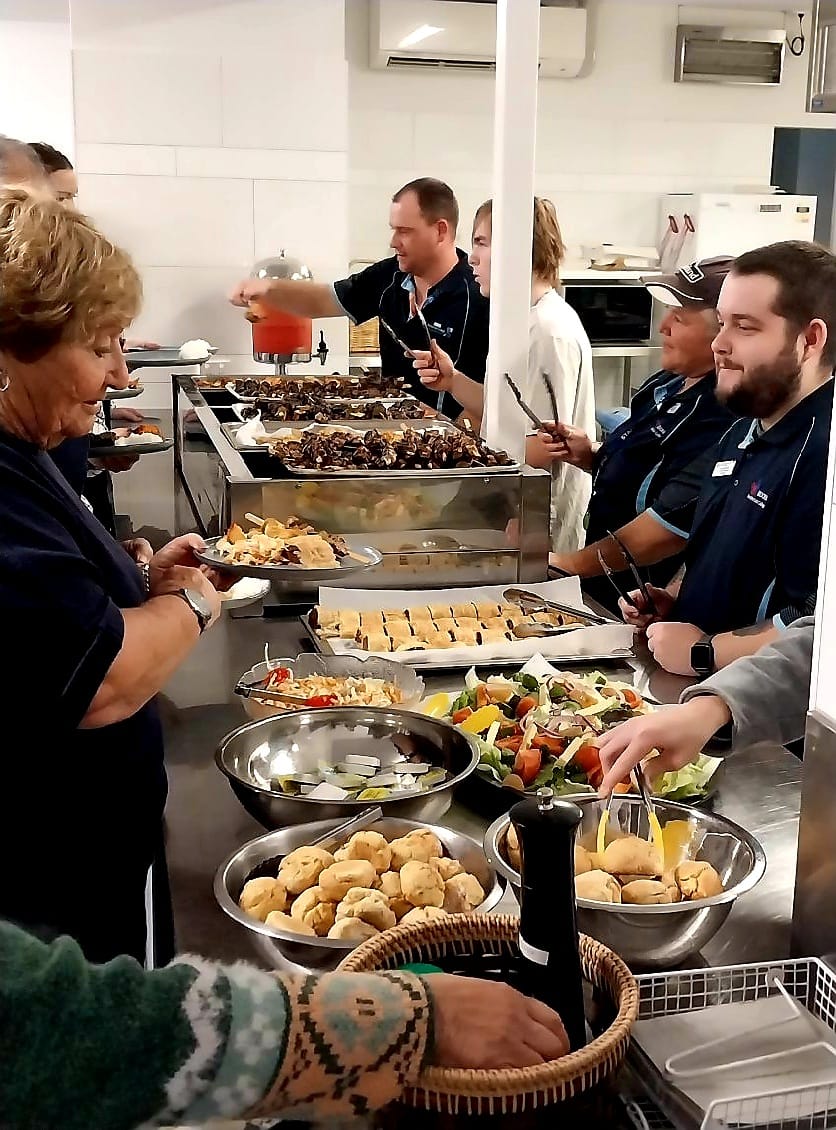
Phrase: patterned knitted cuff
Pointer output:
(355, 1042)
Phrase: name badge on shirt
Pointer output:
(723, 468)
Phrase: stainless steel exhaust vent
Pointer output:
(744, 55)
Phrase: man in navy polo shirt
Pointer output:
(427, 271)
(752, 562)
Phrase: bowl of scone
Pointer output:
(654, 900)
(306, 905)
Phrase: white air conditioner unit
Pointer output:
(461, 35)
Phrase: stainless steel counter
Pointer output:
(760, 788)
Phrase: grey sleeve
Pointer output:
(767, 693)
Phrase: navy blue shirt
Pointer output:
(655, 461)
(80, 809)
(455, 311)
(755, 543)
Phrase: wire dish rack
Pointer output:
(655, 1103)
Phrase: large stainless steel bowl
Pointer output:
(656, 937)
(259, 857)
(299, 740)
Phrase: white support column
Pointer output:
(515, 131)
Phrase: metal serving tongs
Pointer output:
(258, 690)
(532, 602)
(415, 311)
(656, 837)
(633, 566)
(397, 340)
(532, 415)
(357, 823)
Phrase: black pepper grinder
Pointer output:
(551, 964)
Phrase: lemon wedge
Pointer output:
(436, 705)
(677, 836)
(656, 836)
(481, 719)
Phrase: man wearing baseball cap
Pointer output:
(647, 473)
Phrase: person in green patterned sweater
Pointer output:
(109, 1047)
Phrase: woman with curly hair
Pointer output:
(97, 627)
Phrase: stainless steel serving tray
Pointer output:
(323, 647)
(232, 389)
(272, 427)
(360, 473)
(292, 572)
(239, 409)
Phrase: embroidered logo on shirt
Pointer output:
(758, 496)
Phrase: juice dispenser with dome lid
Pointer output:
(281, 339)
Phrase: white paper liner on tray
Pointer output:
(606, 640)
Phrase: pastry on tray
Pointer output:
(428, 627)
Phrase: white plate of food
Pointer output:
(272, 548)
(143, 439)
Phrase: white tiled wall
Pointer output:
(608, 143)
(36, 84)
(211, 135)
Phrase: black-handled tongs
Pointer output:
(533, 417)
(632, 565)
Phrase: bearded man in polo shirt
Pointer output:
(752, 561)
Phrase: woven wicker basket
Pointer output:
(365, 338)
(486, 944)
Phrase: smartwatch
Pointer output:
(199, 605)
(702, 656)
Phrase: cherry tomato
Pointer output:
(550, 745)
(460, 715)
(526, 704)
(631, 698)
(279, 675)
(587, 758)
(320, 700)
(527, 764)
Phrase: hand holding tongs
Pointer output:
(416, 312)
(656, 837)
(632, 564)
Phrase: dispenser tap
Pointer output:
(322, 348)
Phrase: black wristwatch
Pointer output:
(199, 605)
(702, 656)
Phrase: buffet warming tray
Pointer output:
(434, 528)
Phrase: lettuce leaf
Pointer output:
(490, 760)
(692, 781)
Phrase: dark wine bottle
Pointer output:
(550, 959)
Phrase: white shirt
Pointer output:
(558, 345)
